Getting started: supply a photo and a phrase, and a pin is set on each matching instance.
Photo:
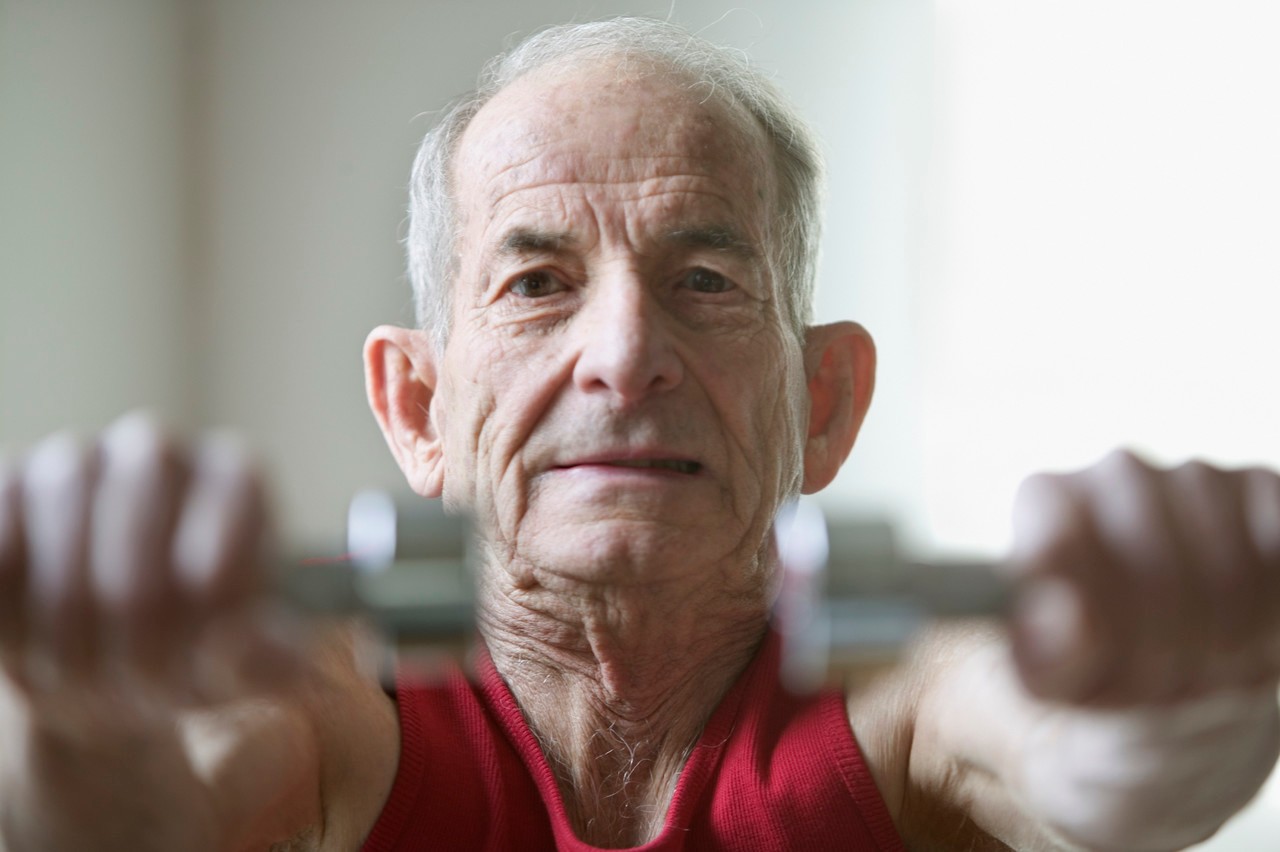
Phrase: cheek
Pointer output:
(789, 417)
(463, 405)
(763, 396)
(498, 390)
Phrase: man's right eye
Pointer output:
(533, 285)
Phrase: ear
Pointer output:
(840, 363)
(400, 379)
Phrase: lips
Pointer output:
(677, 465)
(687, 467)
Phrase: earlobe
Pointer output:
(400, 379)
(840, 366)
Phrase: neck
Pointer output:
(617, 683)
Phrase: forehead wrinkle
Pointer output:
(546, 225)
(553, 108)
(595, 183)
(568, 168)
(661, 195)
(574, 214)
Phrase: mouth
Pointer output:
(681, 466)
(677, 465)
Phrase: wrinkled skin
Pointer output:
(619, 336)
(623, 399)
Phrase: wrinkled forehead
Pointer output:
(608, 121)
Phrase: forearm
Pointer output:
(969, 724)
(940, 783)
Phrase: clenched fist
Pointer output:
(1148, 586)
(149, 698)
(130, 561)
(1149, 636)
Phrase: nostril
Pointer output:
(631, 359)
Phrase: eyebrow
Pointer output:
(523, 241)
(719, 238)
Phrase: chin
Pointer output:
(624, 551)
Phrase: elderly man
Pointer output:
(612, 247)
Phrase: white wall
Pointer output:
(1104, 266)
(92, 237)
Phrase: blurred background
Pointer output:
(1059, 219)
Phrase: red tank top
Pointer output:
(770, 772)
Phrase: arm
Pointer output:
(309, 769)
(1132, 705)
(926, 732)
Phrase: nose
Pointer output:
(625, 346)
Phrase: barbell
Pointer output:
(848, 604)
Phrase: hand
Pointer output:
(128, 575)
(1147, 586)
(126, 561)
(1150, 635)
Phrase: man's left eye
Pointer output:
(705, 281)
(536, 284)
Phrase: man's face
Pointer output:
(620, 398)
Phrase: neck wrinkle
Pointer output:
(617, 685)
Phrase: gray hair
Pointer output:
(433, 221)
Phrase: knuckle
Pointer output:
(57, 482)
(137, 447)
(1264, 474)
(1124, 461)
(1261, 499)
(1118, 474)
(1262, 486)
(58, 463)
(1040, 489)
(1199, 474)
(1053, 530)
